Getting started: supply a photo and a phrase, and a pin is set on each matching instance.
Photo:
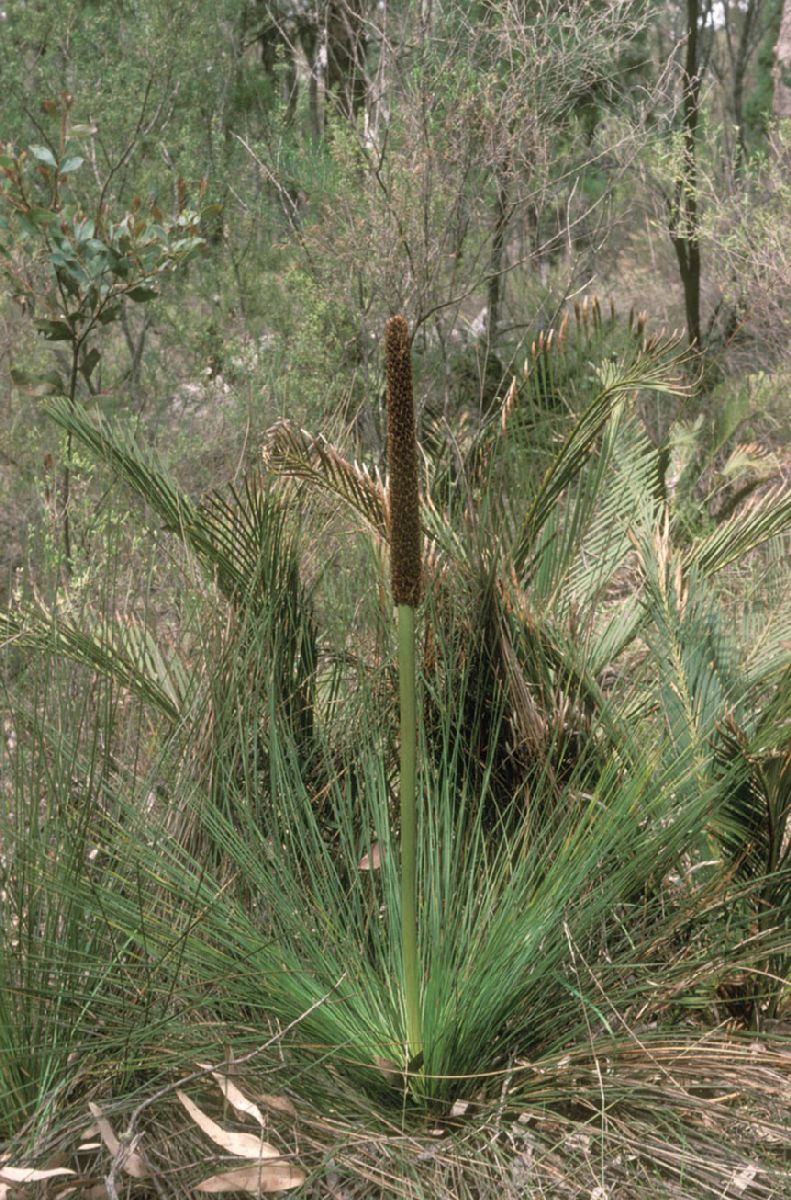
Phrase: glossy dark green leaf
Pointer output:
(48, 383)
(42, 216)
(55, 331)
(107, 315)
(89, 362)
(67, 281)
(84, 230)
(142, 293)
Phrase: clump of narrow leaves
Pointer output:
(602, 860)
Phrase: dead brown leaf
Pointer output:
(371, 861)
(237, 1099)
(245, 1145)
(29, 1175)
(278, 1103)
(272, 1177)
(132, 1163)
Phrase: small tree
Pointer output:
(74, 270)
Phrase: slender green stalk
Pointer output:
(406, 682)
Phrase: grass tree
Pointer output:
(601, 754)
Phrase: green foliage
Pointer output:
(199, 742)
(601, 782)
(758, 103)
(76, 268)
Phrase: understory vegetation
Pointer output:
(202, 985)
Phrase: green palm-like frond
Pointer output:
(297, 454)
(692, 656)
(294, 453)
(586, 538)
(655, 366)
(246, 543)
(749, 527)
(122, 650)
(138, 468)
(757, 814)
(239, 537)
(245, 537)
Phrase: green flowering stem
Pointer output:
(406, 683)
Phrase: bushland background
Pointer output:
(207, 213)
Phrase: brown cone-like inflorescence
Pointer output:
(405, 534)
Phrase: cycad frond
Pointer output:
(586, 538)
(121, 650)
(761, 519)
(118, 449)
(655, 366)
(239, 537)
(755, 816)
(244, 536)
(295, 453)
(692, 655)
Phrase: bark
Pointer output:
(684, 216)
(497, 257)
(781, 72)
(346, 50)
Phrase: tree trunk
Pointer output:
(740, 57)
(346, 49)
(781, 72)
(684, 217)
(497, 256)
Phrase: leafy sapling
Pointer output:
(73, 270)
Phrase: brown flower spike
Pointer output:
(405, 533)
